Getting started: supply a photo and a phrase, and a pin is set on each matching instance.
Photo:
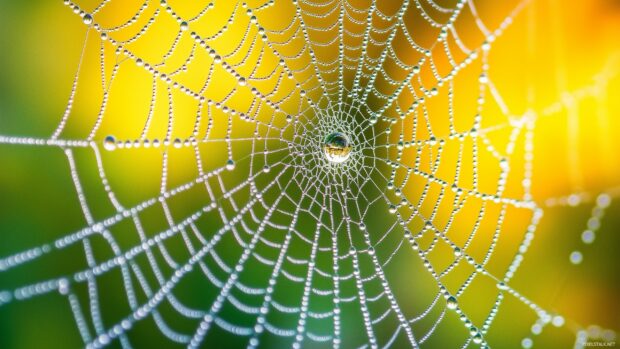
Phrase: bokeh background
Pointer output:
(559, 60)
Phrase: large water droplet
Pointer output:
(230, 165)
(109, 143)
(337, 147)
(451, 303)
(88, 19)
(177, 143)
(477, 338)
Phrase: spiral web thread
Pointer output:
(329, 231)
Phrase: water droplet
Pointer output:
(451, 303)
(608, 335)
(603, 200)
(177, 143)
(337, 147)
(558, 321)
(109, 143)
(473, 331)
(184, 26)
(457, 252)
(594, 331)
(266, 168)
(477, 338)
(503, 164)
(527, 343)
(230, 165)
(88, 19)
(63, 287)
(574, 200)
(588, 236)
(576, 257)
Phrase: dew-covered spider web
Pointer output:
(293, 174)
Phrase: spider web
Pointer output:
(253, 236)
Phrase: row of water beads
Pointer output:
(110, 144)
(336, 146)
(594, 222)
